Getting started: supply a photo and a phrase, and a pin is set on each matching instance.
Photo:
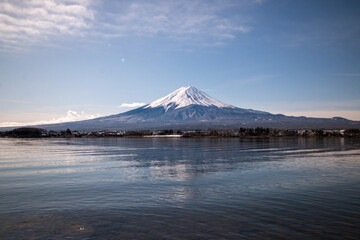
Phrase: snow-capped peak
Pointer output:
(186, 96)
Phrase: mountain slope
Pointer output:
(190, 108)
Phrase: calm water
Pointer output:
(117, 188)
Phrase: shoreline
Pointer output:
(180, 136)
(258, 132)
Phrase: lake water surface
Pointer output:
(155, 188)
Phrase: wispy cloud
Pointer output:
(177, 20)
(37, 21)
(70, 117)
(256, 78)
(29, 22)
(131, 105)
(347, 74)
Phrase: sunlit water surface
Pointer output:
(149, 188)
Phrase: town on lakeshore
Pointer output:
(29, 132)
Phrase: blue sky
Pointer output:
(75, 59)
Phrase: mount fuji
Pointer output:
(190, 108)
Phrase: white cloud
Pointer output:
(131, 105)
(24, 23)
(70, 117)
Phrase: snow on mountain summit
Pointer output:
(186, 96)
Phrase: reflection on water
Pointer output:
(118, 188)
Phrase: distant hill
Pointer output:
(26, 132)
(190, 108)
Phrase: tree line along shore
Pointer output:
(29, 132)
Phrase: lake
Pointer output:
(179, 188)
